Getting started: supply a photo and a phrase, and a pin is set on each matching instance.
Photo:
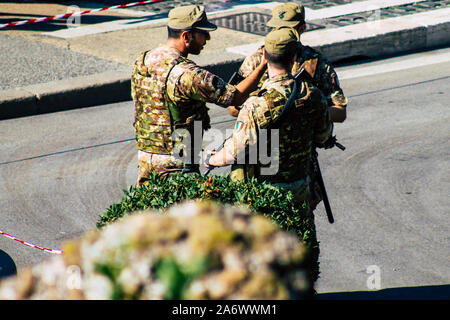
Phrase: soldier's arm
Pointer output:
(330, 86)
(338, 113)
(338, 107)
(249, 64)
(249, 84)
(194, 82)
(323, 128)
(244, 134)
(234, 111)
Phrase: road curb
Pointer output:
(66, 94)
(110, 87)
(383, 37)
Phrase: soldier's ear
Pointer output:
(301, 28)
(186, 36)
(294, 58)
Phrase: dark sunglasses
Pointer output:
(198, 31)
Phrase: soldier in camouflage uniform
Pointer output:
(307, 123)
(319, 67)
(170, 94)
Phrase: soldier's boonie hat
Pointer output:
(293, 30)
(190, 17)
(287, 15)
(280, 41)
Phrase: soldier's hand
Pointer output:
(233, 111)
(210, 153)
(327, 144)
(338, 113)
(263, 63)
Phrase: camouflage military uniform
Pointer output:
(319, 68)
(315, 64)
(307, 123)
(170, 94)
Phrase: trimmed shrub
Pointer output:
(276, 203)
(195, 250)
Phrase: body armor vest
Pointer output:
(152, 120)
(157, 116)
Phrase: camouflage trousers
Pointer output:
(300, 189)
(157, 163)
(303, 189)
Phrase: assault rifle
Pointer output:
(236, 78)
(317, 175)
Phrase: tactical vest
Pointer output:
(152, 120)
(157, 116)
(295, 138)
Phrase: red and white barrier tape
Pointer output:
(67, 15)
(54, 251)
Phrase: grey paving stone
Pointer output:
(24, 62)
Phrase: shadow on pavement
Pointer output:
(441, 292)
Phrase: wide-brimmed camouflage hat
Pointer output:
(281, 41)
(190, 17)
(287, 15)
(293, 30)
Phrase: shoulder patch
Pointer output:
(274, 98)
(275, 102)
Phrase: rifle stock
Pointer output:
(323, 191)
(319, 178)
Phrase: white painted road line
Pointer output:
(395, 64)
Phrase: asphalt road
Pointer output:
(389, 189)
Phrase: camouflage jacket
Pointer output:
(315, 63)
(307, 123)
(170, 94)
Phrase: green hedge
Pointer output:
(262, 198)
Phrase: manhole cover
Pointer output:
(252, 22)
